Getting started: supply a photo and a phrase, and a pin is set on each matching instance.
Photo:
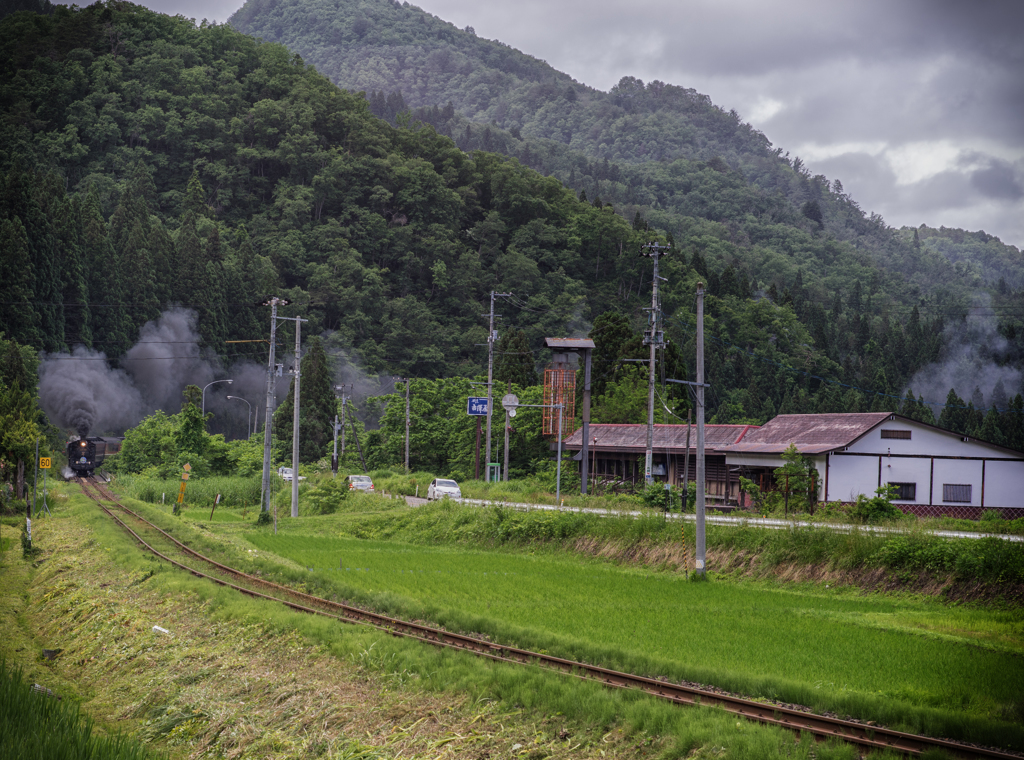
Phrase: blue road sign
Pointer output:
(476, 406)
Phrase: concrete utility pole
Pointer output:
(508, 424)
(700, 430)
(339, 426)
(407, 423)
(267, 413)
(491, 337)
(654, 336)
(295, 419)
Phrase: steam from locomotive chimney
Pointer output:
(78, 390)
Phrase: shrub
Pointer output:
(327, 497)
(877, 508)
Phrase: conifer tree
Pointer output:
(242, 292)
(991, 429)
(951, 417)
(111, 328)
(77, 318)
(317, 407)
(513, 360)
(17, 310)
(20, 193)
(130, 234)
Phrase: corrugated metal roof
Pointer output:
(634, 437)
(812, 433)
(569, 342)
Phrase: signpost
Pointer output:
(44, 465)
(181, 492)
(476, 407)
(509, 401)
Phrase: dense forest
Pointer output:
(147, 161)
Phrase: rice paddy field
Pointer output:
(851, 652)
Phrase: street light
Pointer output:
(248, 428)
(207, 386)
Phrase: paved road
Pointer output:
(760, 522)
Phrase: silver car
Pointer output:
(360, 483)
(439, 488)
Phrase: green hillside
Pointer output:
(634, 146)
(148, 162)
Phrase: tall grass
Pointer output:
(988, 560)
(199, 492)
(34, 725)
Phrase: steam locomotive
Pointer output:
(87, 454)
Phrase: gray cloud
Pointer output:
(999, 180)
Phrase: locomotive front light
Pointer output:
(82, 443)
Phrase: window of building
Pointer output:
(956, 493)
(904, 491)
(902, 435)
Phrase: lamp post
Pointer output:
(207, 386)
(248, 428)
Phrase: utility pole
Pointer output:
(339, 426)
(686, 463)
(491, 337)
(352, 420)
(334, 457)
(267, 412)
(407, 423)
(654, 336)
(504, 472)
(700, 430)
(295, 420)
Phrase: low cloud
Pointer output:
(973, 357)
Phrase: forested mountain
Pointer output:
(687, 165)
(147, 162)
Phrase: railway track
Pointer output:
(867, 737)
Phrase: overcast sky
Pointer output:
(916, 106)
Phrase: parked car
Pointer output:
(286, 474)
(360, 483)
(440, 487)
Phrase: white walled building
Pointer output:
(936, 471)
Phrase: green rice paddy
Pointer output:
(869, 655)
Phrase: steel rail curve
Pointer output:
(823, 727)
